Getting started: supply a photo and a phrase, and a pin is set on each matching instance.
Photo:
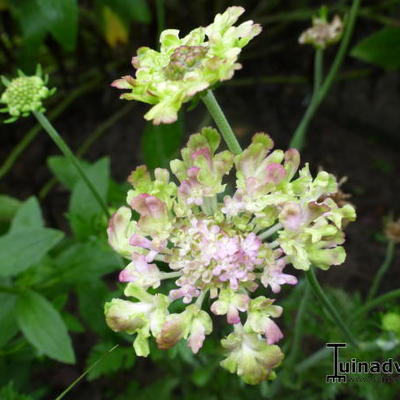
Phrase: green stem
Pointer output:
(376, 302)
(57, 139)
(222, 123)
(319, 293)
(298, 326)
(318, 70)
(89, 141)
(77, 380)
(32, 133)
(299, 135)
(382, 270)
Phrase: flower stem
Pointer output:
(57, 139)
(222, 123)
(77, 380)
(298, 326)
(299, 135)
(170, 275)
(319, 293)
(318, 70)
(32, 133)
(382, 270)
(200, 299)
(270, 231)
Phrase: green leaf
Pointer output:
(161, 143)
(8, 207)
(382, 48)
(9, 393)
(19, 250)
(7, 319)
(82, 203)
(28, 216)
(62, 17)
(73, 324)
(43, 327)
(64, 171)
(84, 262)
(130, 10)
(120, 358)
(91, 298)
(34, 27)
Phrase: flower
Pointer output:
(323, 33)
(223, 246)
(142, 317)
(24, 95)
(250, 356)
(186, 66)
(193, 324)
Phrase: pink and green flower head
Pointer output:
(218, 248)
(323, 33)
(187, 65)
(24, 94)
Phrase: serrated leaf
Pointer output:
(64, 171)
(381, 48)
(160, 143)
(28, 216)
(120, 358)
(20, 250)
(62, 18)
(7, 318)
(43, 327)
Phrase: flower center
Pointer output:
(184, 59)
(208, 257)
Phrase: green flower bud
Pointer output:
(24, 95)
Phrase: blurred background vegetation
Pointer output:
(63, 284)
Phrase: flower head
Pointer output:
(223, 246)
(24, 95)
(323, 33)
(185, 66)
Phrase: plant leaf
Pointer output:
(82, 203)
(8, 207)
(28, 216)
(382, 48)
(7, 318)
(20, 250)
(43, 327)
(160, 143)
(64, 171)
(83, 262)
(62, 18)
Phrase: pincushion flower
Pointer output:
(223, 247)
(185, 66)
(24, 94)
